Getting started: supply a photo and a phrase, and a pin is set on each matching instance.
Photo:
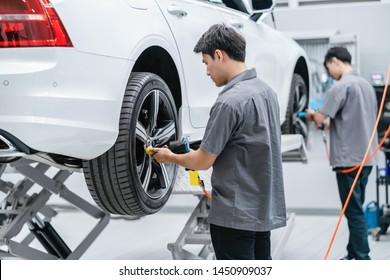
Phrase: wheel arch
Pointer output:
(158, 61)
(298, 100)
(302, 69)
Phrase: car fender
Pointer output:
(110, 19)
(289, 58)
(159, 41)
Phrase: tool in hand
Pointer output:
(180, 147)
(322, 127)
(148, 151)
(302, 115)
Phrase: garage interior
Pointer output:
(314, 218)
(312, 199)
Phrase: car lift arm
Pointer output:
(19, 209)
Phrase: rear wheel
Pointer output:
(125, 180)
(298, 102)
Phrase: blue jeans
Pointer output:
(358, 240)
(236, 244)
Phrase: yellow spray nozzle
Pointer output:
(148, 151)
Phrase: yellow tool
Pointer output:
(148, 151)
(194, 177)
(196, 181)
(178, 147)
(182, 146)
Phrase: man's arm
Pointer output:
(195, 160)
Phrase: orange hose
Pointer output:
(207, 194)
(361, 165)
(373, 154)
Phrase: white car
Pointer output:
(85, 84)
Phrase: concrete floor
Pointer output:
(147, 238)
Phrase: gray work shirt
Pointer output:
(352, 107)
(244, 132)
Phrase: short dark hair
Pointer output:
(340, 53)
(219, 36)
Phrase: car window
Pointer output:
(236, 5)
(215, 2)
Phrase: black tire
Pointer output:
(298, 102)
(6, 160)
(2, 168)
(125, 180)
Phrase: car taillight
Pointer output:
(31, 23)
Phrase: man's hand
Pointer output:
(318, 118)
(310, 115)
(163, 155)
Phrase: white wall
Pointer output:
(370, 21)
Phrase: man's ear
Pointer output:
(335, 60)
(218, 55)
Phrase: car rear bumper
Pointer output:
(59, 100)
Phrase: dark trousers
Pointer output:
(235, 244)
(358, 240)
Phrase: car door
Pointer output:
(262, 48)
(188, 20)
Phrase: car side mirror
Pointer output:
(259, 6)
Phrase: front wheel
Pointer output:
(125, 180)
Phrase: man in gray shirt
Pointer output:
(242, 142)
(351, 106)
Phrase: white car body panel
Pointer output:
(201, 91)
(61, 113)
(67, 101)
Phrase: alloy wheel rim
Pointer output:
(155, 126)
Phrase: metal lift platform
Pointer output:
(23, 208)
(194, 241)
(20, 208)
